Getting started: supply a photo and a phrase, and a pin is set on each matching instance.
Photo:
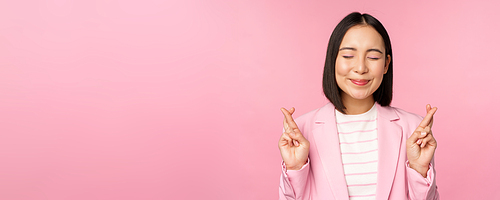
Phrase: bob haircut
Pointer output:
(383, 95)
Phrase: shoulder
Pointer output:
(316, 113)
(397, 114)
(306, 121)
(406, 120)
(407, 116)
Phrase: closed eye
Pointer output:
(348, 56)
(373, 58)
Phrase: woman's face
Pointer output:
(361, 64)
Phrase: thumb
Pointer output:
(297, 135)
(415, 135)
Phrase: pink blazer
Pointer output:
(323, 176)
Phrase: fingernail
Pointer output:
(423, 133)
(296, 143)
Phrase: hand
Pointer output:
(294, 147)
(421, 145)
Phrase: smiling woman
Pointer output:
(357, 146)
(360, 66)
(349, 34)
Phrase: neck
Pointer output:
(357, 106)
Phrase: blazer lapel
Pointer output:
(327, 143)
(389, 145)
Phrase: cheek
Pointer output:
(341, 69)
(378, 69)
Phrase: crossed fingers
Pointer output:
(290, 126)
(425, 126)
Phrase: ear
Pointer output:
(387, 62)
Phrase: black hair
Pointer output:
(383, 94)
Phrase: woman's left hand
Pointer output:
(421, 145)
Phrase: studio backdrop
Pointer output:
(153, 99)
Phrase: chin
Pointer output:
(360, 96)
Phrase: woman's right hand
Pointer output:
(294, 147)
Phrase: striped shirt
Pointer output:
(359, 149)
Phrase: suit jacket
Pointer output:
(323, 176)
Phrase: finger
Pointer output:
(427, 140)
(428, 130)
(415, 135)
(419, 141)
(429, 107)
(285, 124)
(289, 118)
(294, 131)
(428, 118)
(294, 134)
(286, 127)
(285, 140)
(424, 132)
(432, 120)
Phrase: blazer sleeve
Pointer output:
(295, 184)
(420, 188)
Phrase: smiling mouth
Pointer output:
(360, 82)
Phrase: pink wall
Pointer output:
(180, 100)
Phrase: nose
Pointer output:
(360, 66)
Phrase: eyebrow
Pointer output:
(347, 48)
(354, 49)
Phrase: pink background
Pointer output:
(152, 99)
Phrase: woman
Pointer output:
(357, 146)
